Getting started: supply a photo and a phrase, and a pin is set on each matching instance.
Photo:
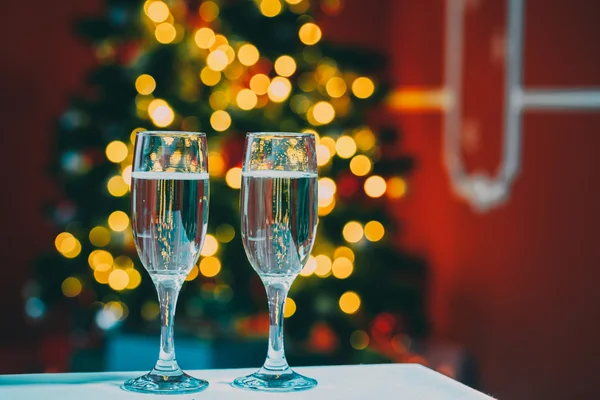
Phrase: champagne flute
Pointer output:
(170, 214)
(279, 223)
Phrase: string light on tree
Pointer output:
(220, 120)
(375, 186)
(323, 268)
(374, 231)
(360, 165)
(363, 87)
(285, 66)
(145, 84)
(259, 84)
(349, 302)
(210, 266)
(233, 178)
(158, 11)
(289, 308)
(165, 33)
(204, 38)
(353, 232)
(345, 147)
(210, 246)
(248, 54)
(309, 33)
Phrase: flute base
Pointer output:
(153, 383)
(275, 381)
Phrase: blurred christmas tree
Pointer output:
(228, 67)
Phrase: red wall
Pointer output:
(516, 286)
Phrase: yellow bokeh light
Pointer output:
(116, 151)
(352, 232)
(135, 278)
(220, 120)
(210, 266)
(259, 84)
(126, 175)
(248, 54)
(342, 268)
(396, 187)
(345, 147)
(209, 76)
(363, 87)
(360, 165)
(64, 242)
(374, 231)
(99, 236)
(225, 233)
(116, 186)
(323, 268)
(193, 274)
(359, 340)
(323, 112)
(294, 1)
(216, 163)
(329, 143)
(326, 208)
(289, 308)
(161, 113)
(233, 178)
(158, 11)
(217, 60)
(150, 310)
(326, 189)
(279, 89)
(219, 99)
(323, 155)
(310, 267)
(309, 33)
(270, 8)
(246, 99)
(71, 287)
(123, 262)
(118, 279)
(209, 11)
(101, 276)
(365, 139)
(210, 246)
(285, 66)
(145, 84)
(375, 186)
(229, 52)
(336, 87)
(118, 221)
(165, 33)
(349, 302)
(100, 260)
(220, 40)
(345, 252)
(74, 252)
(204, 38)
(134, 133)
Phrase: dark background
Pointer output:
(516, 286)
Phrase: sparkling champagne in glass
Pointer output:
(279, 221)
(170, 215)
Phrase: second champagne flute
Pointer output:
(279, 223)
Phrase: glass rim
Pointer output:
(171, 133)
(280, 134)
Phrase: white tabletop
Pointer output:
(382, 381)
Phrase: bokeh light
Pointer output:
(279, 89)
(396, 187)
(345, 252)
(210, 266)
(248, 54)
(135, 278)
(323, 155)
(360, 165)
(209, 76)
(285, 66)
(359, 340)
(100, 260)
(71, 287)
(99, 236)
(363, 87)
(342, 268)
(365, 139)
(116, 186)
(220, 120)
(270, 8)
(193, 273)
(118, 279)
(289, 308)
(116, 151)
(309, 34)
(352, 232)
(349, 302)
(323, 268)
(246, 99)
(118, 221)
(233, 178)
(126, 175)
(345, 147)
(326, 190)
(161, 113)
(217, 60)
(145, 84)
(375, 186)
(210, 246)
(374, 231)
(165, 33)
(259, 84)
(336, 87)
(310, 267)
(323, 112)
(209, 11)
(157, 11)
(225, 233)
(204, 38)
